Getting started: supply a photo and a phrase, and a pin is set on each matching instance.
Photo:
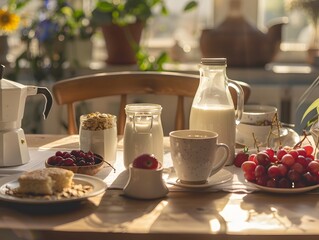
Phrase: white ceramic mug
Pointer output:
(194, 155)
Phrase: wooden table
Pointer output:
(181, 215)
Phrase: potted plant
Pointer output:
(49, 37)
(9, 22)
(311, 9)
(311, 114)
(122, 23)
(79, 44)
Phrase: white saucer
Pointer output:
(220, 177)
(290, 139)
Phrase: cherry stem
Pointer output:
(100, 158)
(255, 143)
(298, 144)
(317, 144)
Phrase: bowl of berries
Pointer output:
(287, 170)
(145, 178)
(76, 161)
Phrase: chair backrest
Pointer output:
(70, 91)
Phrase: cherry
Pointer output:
(313, 167)
(74, 158)
(263, 159)
(308, 149)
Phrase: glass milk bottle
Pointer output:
(213, 108)
(143, 132)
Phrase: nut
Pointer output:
(98, 121)
(75, 191)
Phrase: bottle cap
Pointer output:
(214, 61)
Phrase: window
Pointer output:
(185, 28)
(297, 32)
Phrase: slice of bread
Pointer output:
(45, 181)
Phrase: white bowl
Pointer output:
(260, 115)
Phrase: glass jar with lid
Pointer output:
(143, 133)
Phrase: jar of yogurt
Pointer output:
(143, 132)
(98, 133)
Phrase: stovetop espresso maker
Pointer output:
(13, 145)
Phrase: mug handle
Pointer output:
(222, 163)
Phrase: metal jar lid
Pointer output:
(214, 61)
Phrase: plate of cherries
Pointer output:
(287, 170)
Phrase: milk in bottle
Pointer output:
(213, 108)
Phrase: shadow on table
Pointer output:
(20, 219)
(285, 210)
(199, 214)
(117, 212)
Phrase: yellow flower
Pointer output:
(8, 21)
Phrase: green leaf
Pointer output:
(190, 5)
(312, 120)
(246, 150)
(308, 91)
(161, 59)
(67, 11)
(164, 10)
(314, 105)
(105, 6)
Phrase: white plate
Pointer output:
(220, 177)
(285, 190)
(8, 172)
(12, 182)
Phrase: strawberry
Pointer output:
(241, 156)
(145, 161)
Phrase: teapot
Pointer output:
(13, 146)
(240, 42)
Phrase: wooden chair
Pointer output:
(123, 84)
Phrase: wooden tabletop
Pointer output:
(180, 215)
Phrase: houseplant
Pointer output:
(51, 32)
(311, 114)
(9, 22)
(122, 23)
